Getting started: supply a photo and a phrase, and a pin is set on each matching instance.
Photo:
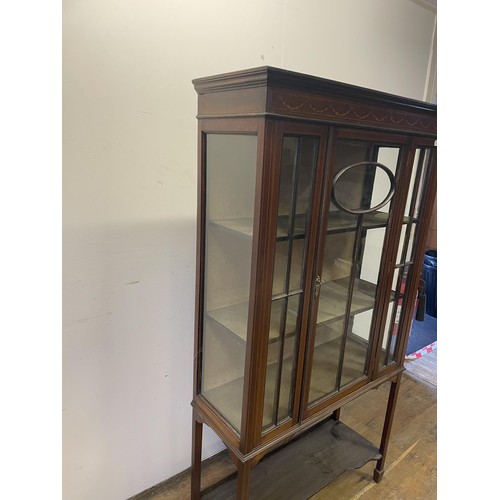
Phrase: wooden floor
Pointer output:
(411, 464)
(424, 369)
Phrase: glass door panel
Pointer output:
(391, 330)
(404, 263)
(361, 193)
(299, 156)
(230, 175)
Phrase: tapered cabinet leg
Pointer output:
(389, 417)
(196, 459)
(243, 485)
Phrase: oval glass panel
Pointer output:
(363, 187)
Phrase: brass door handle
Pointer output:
(317, 286)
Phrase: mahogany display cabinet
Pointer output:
(314, 199)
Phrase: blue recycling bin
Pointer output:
(429, 275)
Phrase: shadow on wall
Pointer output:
(128, 316)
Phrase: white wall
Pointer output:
(129, 199)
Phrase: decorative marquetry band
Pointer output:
(346, 111)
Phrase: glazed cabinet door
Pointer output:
(300, 162)
(405, 274)
(364, 181)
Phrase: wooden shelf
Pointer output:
(334, 296)
(242, 226)
(226, 398)
(326, 358)
(234, 319)
(338, 222)
(332, 306)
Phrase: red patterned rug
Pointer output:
(422, 352)
(423, 337)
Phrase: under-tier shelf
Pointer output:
(338, 222)
(319, 455)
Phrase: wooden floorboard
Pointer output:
(424, 369)
(411, 464)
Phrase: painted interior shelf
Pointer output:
(328, 343)
(338, 222)
(333, 302)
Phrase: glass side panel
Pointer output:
(351, 263)
(297, 172)
(404, 269)
(230, 180)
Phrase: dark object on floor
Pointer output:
(421, 301)
(429, 275)
(320, 456)
(422, 334)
